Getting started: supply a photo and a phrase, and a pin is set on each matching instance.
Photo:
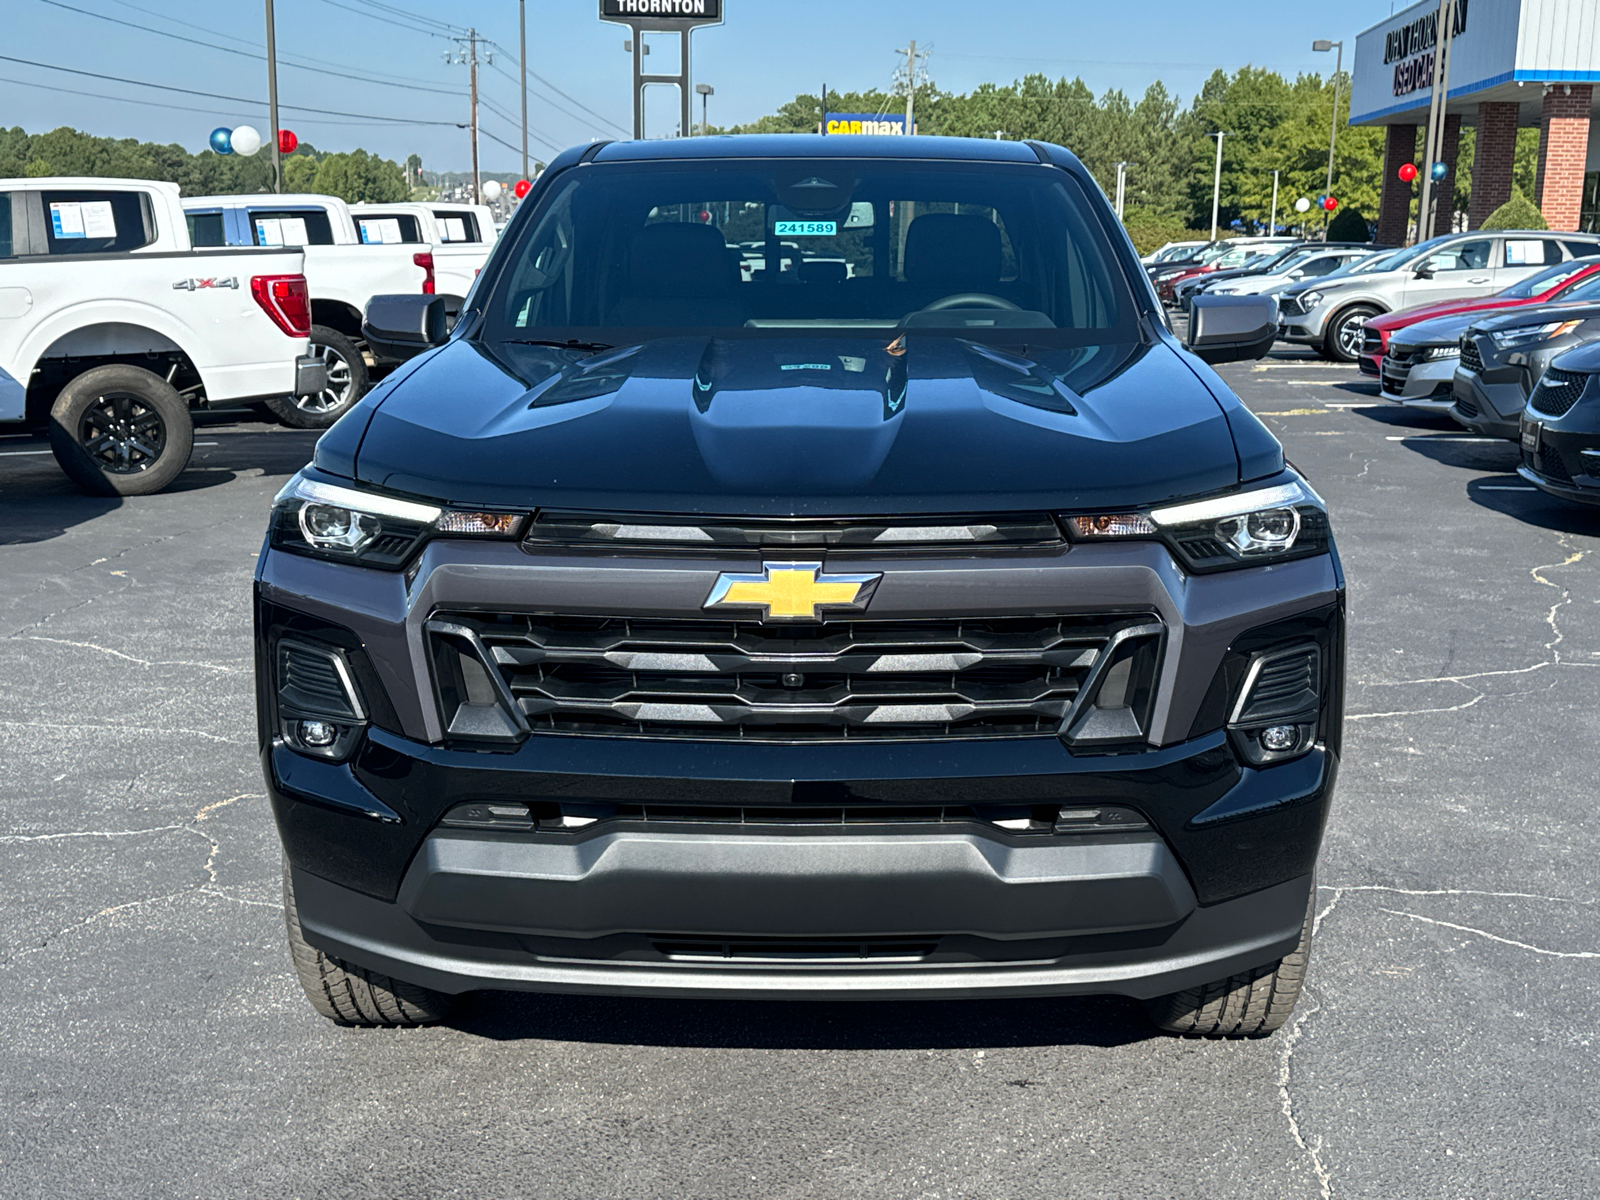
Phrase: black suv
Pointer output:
(911, 616)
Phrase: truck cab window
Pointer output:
(97, 222)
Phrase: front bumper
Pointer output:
(1561, 455)
(1305, 328)
(1489, 405)
(1217, 884)
(1428, 384)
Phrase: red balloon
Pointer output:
(521, 188)
(1407, 172)
(1330, 204)
(287, 141)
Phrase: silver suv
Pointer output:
(1328, 314)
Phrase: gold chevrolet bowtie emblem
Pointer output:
(792, 591)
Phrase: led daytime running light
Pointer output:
(364, 502)
(1234, 506)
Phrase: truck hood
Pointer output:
(795, 427)
(1442, 308)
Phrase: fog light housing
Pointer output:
(318, 734)
(1278, 737)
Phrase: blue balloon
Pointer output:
(222, 141)
(1440, 170)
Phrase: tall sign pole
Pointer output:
(1436, 105)
(682, 17)
(522, 44)
(272, 97)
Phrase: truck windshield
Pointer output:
(626, 251)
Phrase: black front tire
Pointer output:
(121, 431)
(348, 381)
(1341, 341)
(1250, 1004)
(351, 995)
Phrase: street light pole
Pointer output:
(1122, 187)
(1216, 186)
(1272, 224)
(706, 91)
(1323, 45)
(272, 98)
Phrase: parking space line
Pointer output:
(1505, 487)
(1442, 437)
(24, 453)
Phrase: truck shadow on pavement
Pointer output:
(1103, 1021)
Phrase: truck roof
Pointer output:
(268, 198)
(812, 145)
(87, 182)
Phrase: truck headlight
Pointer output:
(349, 525)
(1242, 529)
(1523, 334)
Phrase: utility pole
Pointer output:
(911, 85)
(1272, 223)
(272, 98)
(1122, 187)
(1436, 106)
(1216, 186)
(522, 46)
(468, 56)
(1322, 45)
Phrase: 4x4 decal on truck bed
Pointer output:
(191, 285)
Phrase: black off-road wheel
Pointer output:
(1341, 341)
(348, 381)
(121, 431)
(1250, 1004)
(351, 995)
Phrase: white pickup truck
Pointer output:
(346, 265)
(112, 326)
(462, 235)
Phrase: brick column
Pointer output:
(1563, 149)
(1444, 190)
(1394, 208)
(1492, 161)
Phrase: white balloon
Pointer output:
(1300, 205)
(246, 141)
(491, 190)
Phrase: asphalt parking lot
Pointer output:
(156, 1043)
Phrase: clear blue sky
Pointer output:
(766, 53)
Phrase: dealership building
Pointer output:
(1512, 64)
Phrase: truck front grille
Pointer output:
(704, 679)
(1471, 360)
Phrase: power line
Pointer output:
(423, 18)
(285, 59)
(512, 121)
(212, 110)
(166, 87)
(416, 87)
(363, 12)
(559, 92)
(587, 124)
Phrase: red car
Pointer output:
(1553, 283)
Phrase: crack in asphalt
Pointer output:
(207, 887)
(142, 662)
(1552, 649)
(1494, 937)
(59, 726)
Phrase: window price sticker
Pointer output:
(87, 219)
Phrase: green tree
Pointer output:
(1348, 225)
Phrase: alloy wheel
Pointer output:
(122, 434)
(1350, 335)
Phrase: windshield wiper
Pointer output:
(569, 344)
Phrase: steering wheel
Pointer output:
(970, 300)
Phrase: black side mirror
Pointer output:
(1232, 328)
(1424, 273)
(402, 327)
